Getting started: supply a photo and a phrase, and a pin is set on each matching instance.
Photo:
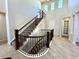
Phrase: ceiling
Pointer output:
(44, 1)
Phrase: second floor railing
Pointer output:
(28, 28)
(34, 44)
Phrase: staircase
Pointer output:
(32, 46)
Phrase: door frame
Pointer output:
(75, 39)
(4, 14)
(62, 28)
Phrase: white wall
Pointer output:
(40, 28)
(73, 5)
(76, 28)
(2, 5)
(73, 8)
(20, 12)
(2, 27)
(55, 17)
(2, 20)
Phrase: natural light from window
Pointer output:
(60, 3)
(52, 6)
(46, 8)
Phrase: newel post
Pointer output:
(42, 14)
(48, 40)
(52, 34)
(16, 39)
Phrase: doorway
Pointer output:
(3, 33)
(76, 28)
(65, 27)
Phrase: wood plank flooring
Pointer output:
(60, 48)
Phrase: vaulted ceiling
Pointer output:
(42, 1)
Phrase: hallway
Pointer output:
(60, 49)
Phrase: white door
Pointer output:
(65, 27)
(3, 35)
(76, 28)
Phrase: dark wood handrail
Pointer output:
(30, 21)
(35, 45)
(37, 42)
(17, 31)
(40, 40)
(49, 37)
(27, 23)
(32, 36)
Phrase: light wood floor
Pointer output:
(61, 48)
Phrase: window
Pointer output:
(60, 3)
(52, 6)
(46, 7)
